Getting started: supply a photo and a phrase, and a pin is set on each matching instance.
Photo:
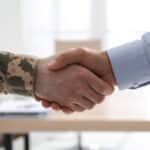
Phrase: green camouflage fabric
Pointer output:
(17, 73)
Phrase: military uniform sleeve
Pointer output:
(17, 73)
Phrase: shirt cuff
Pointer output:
(130, 64)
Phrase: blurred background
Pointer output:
(35, 26)
(44, 27)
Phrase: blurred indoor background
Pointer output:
(43, 27)
(34, 26)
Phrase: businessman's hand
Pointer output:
(73, 87)
(97, 62)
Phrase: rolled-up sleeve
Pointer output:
(131, 63)
(17, 73)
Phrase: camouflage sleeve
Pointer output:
(17, 73)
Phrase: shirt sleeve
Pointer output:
(131, 63)
(17, 73)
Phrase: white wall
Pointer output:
(31, 26)
(10, 24)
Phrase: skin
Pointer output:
(73, 88)
(96, 61)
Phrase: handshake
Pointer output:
(75, 80)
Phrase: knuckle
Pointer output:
(83, 49)
(82, 52)
(72, 49)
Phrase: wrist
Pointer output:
(37, 78)
(21, 72)
(109, 74)
(41, 72)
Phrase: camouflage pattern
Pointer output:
(17, 73)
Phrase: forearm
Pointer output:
(17, 73)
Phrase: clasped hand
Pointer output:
(75, 80)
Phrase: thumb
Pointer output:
(57, 63)
(67, 58)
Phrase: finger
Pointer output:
(56, 106)
(66, 58)
(38, 98)
(94, 97)
(46, 104)
(76, 107)
(67, 110)
(85, 103)
(99, 85)
(42, 99)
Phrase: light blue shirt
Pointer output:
(131, 63)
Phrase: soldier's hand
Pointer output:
(55, 106)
